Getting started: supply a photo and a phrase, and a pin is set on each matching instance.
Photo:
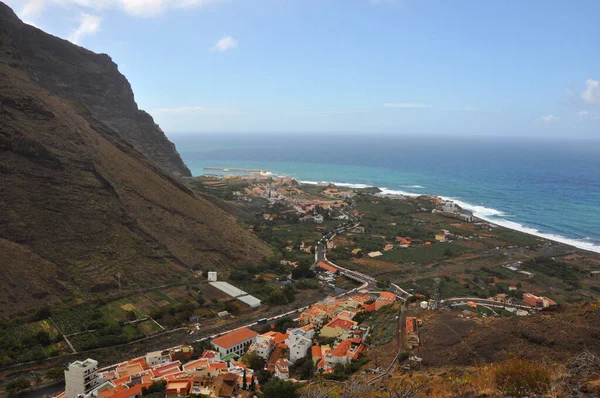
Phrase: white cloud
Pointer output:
(406, 105)
(591, 94)
(191, 110)
(139, 8)
(549, 118)
(30, 10)
(88, 24)
(225, 43)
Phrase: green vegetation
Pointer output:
(341, 372)
(21, 342)
(303, 368)
(156, 387)
(382, 323)
(279, 388)
(14, 387)
(79, 318)
(556, 269)
(425, 254)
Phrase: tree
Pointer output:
(253, 384)
(253, 361)
(14, 387)
(290, 293)
(156, 387)
(277, 297)
(200, 298)
(280, 388)
(283, 324)
(244, 381)
(304, 368)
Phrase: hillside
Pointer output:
(448, 340)
(80, 203)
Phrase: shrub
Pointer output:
(519, 377)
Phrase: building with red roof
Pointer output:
(337, 327)
(346, 351)
(179, 388)
(236, 342)
(327, 267)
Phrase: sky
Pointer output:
(368, 66)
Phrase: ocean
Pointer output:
(542, 186)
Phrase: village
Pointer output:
(325, 335)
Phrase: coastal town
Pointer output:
(342, 249)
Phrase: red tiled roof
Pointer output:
(278, 337)
(209, 354)
(141, 361)
(327, 267)
(387, 296)
(370, 307)
(341, 349)
(169, 368)
(340, 323)
(234, 338)
(316, 351)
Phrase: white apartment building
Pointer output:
(299, 342)
(81, 377)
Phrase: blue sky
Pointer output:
(406, 66)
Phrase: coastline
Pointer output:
(481, 213)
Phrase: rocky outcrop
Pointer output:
(82, 76)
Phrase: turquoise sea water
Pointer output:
(550, 188)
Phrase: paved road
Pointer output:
(488, 302)
(371, 283)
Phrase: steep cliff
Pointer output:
(79, 75)
(79, 204)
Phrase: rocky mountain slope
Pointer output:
(79, 204)
(79, 75)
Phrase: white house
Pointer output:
(212, 276)
(81, 377)
(236, 342)
(263, 346)
(282, 370)
(157, 357)
(299, 342)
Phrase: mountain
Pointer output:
(93, 80)
(80, 202)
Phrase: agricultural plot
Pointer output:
(383, 324)
(117, 311)
(77, 318)
(84, 341)
(149, 328)
(160, 298)
(177, 294)
(45, 326)
(19, 343)
(59, 348)
(143, 303)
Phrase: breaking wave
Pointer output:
(493, 216)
